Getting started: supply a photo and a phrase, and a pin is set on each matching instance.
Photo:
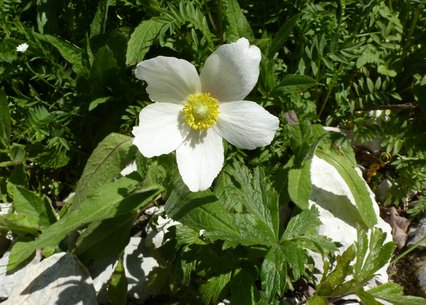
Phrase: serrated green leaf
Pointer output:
(5, 123)
(336, 277)
(378, 255)
(273, 272)
(256, 194)
(117, 285)
(202, 211)
(393, 293)
(361, 250)
(356, 184)
(109, 201)
(107, 160)
(141, 40)
(238, 24)
(303, 224)
(211, 290)
(295, 257)
(294, 83)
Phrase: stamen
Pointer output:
(201, 111)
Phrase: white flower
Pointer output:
(192, 113)
(22, 47)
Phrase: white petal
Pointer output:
(170, 80)
(161, 129)
(246, 124)
(200, 159)
(231, 72)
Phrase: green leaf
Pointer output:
(256, 194)
(393, 293)
(299, 183)
(104, 71)
(202, 211)
(343, 162)
(141, 40)
(378, 255)
(296, 259)
(117, 285)
(294, 83)
(367, 57)
(5, 122)
(97, 27)
(47, 16)
(242, 288)
(336, 277)
(273, 272)
(19, 224)
(93, 104)
(303, 224)
(111, 200)
(367, 298)
(71, 53)
(385, 70)
(317, 300)
(29, 203)
(17, 153)
(104, 239)
(281, 36)
(107, 160)
(211, 290)
(238, 24)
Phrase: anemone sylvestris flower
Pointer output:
(192, 113)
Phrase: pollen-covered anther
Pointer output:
(201, 111)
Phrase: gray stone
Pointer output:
(417, 234)
(420, 270)
(382, 190)
(58, 280)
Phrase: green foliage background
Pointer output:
(67, 106)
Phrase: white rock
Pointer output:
(10, 280)
(130, 168)
(155, 236)
(59, 279)
(138, 263)
(337, 208)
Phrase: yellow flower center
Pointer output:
(201, 111)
